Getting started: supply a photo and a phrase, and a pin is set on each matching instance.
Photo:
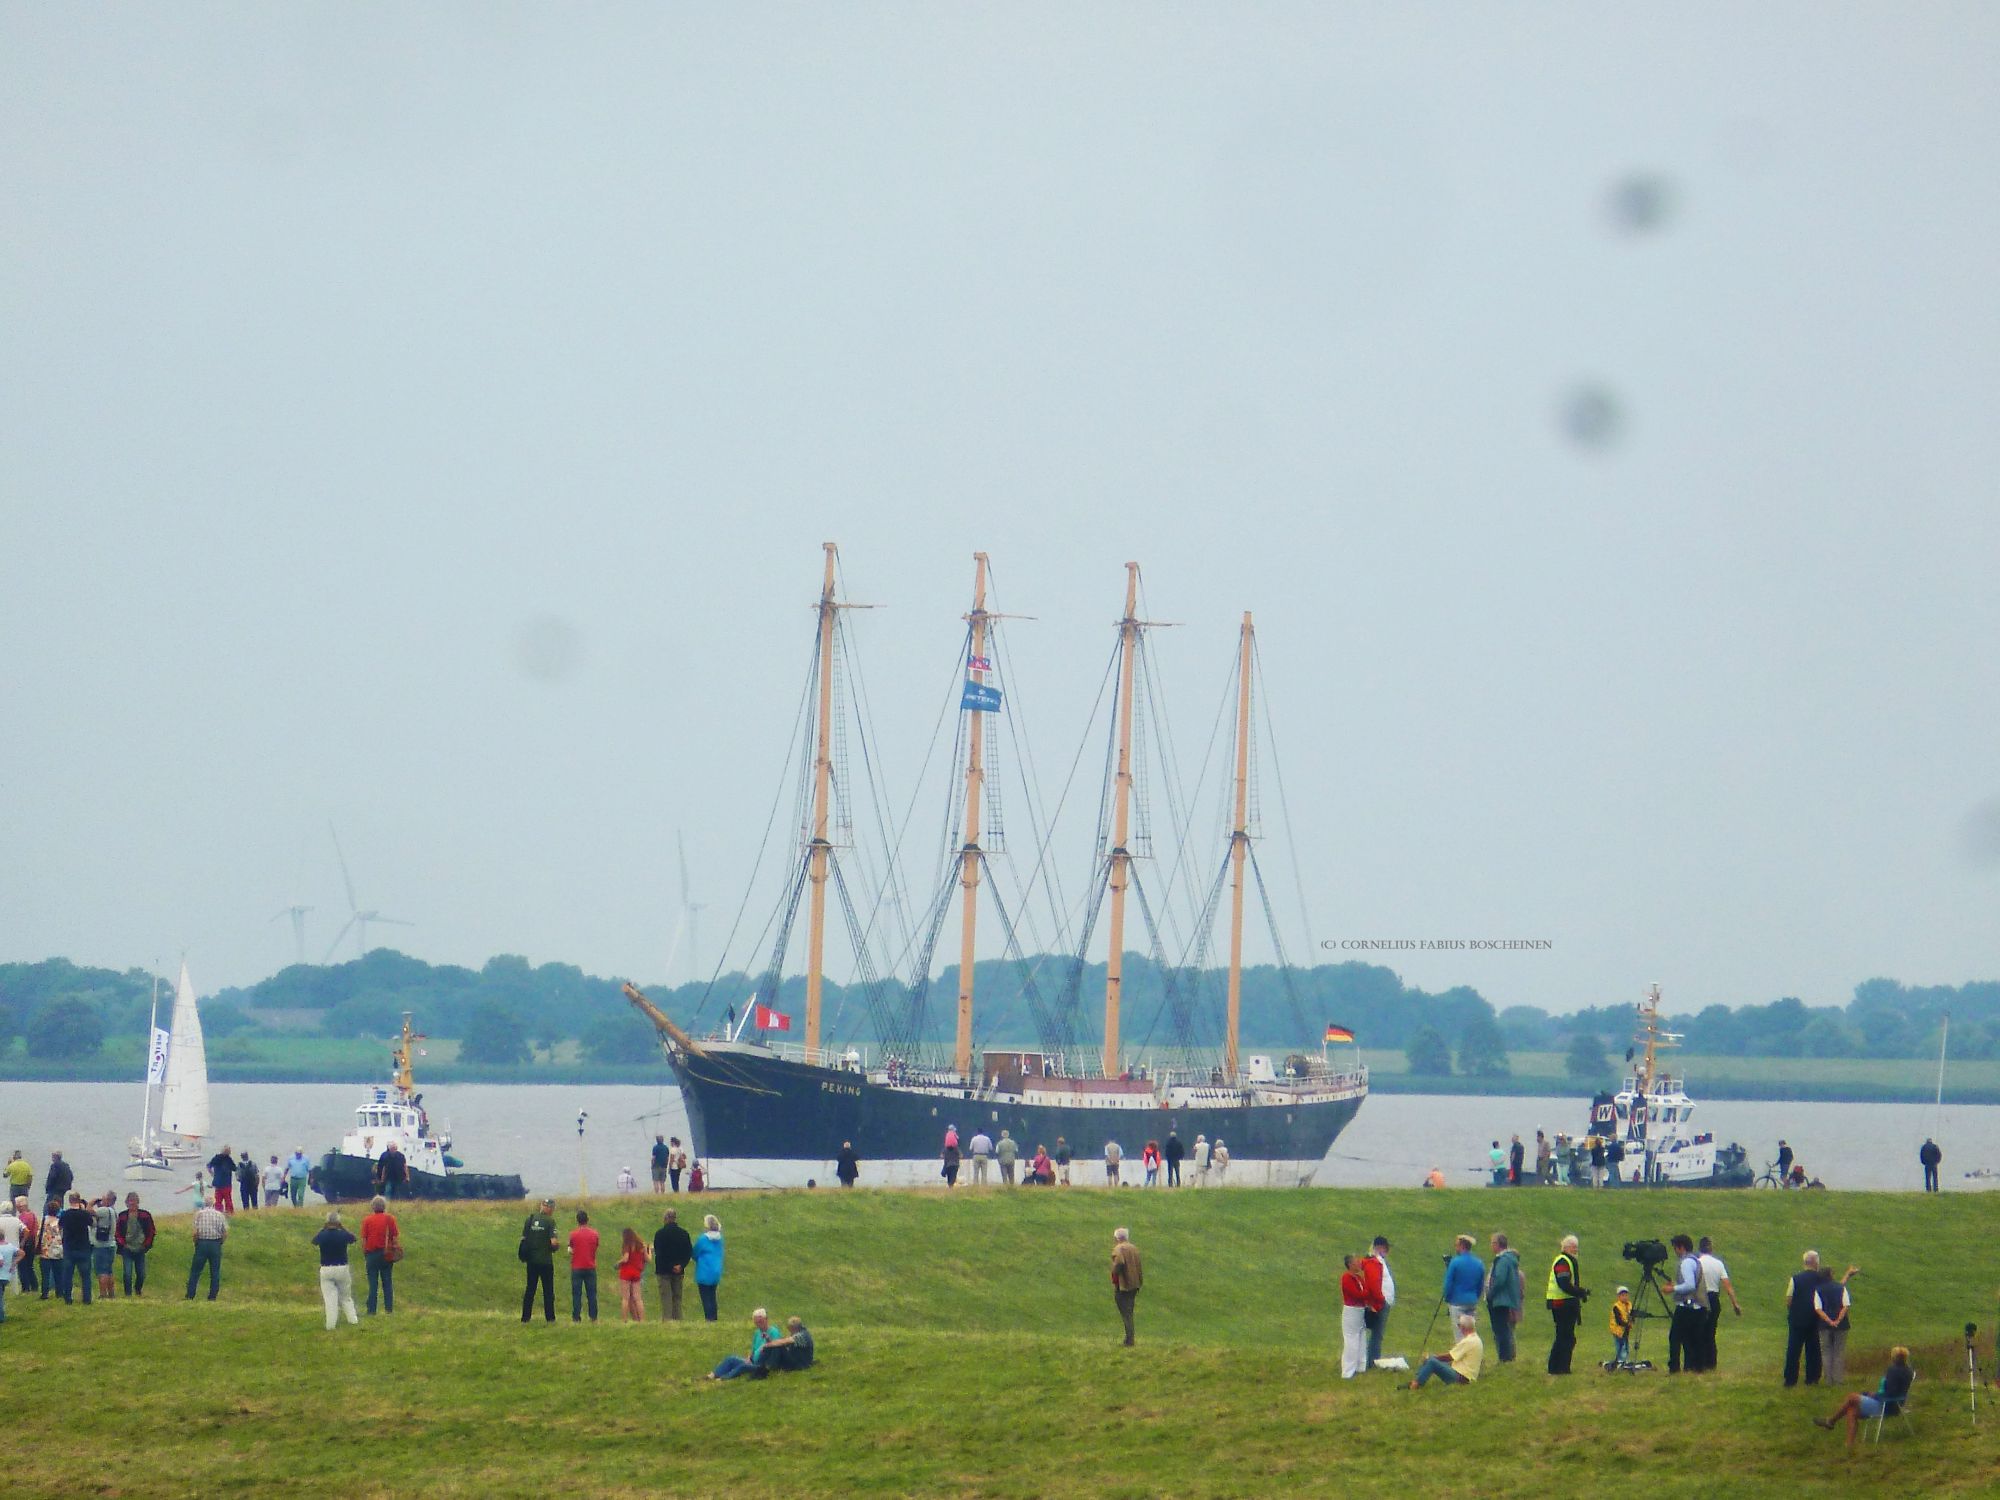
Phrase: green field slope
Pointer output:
(969, 1346)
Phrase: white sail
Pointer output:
(184, 1096)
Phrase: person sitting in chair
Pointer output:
(1888, 1397)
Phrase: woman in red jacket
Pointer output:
(1353, 1318)
(631, 1269)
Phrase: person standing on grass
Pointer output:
(1784, 1163)
(582, 1252)
(1006, 1151)
(297, 1170)
(1597, 1161)
(48, 1247)
(1685, 1333)
(1353, 1316)
(1173, 1153)
(1517, 1154)
(1126, 1277)
(1802, 1320)
(1460, 1366)
(1464, 1277)
(104, 1241)
(1114, 1154)
(1566, 1297)
(1714, 1282)
(10, 1257)
(950, 1170)
(672, 1250)
(538, 1256)
(15, 1232)
(1833, 1305)
(1545, 1161)
(631, 1272)
(20, 1177)
(59, 1179)
(1062, 1161)
(1503, 1298)
(379, 1231)
(210, 1230)
(660, 1157)
(1041, 1171)
(75, 1221)
(247, 1178)
(31, 1246)
(982, 1156)
(848, 1168)
(222, 1170)
(392, 1172)
(1381, 1295)
(274, 1183)
(1931, 1156)
(1202, 1154)
(336, 1276)
(708, 1264)
(1218, 1160)
(677, 1162)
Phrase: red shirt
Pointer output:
(1353, 1290)
(375, 1231)
(632, 1265)
(1371, 1284)
(583, 1248)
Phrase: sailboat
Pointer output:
(761, 1109)
(176, 1109)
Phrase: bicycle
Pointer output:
(1770, 1179)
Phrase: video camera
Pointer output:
(1648, 1253)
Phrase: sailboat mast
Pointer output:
(1121, 820)
(1944, 1036)
(1239, 851)
(822, 848)
(152, 1029)
(975, 781)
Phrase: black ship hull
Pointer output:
(754, 1115)
(340, 1178)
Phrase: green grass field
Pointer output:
(969, 1346)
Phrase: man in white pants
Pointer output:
(1219, 1159)
(336, 1277)
(1201, 1158)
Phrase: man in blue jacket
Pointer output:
(1464, 1279)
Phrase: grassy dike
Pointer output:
(969, 1346)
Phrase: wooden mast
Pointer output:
(1239, 850)
(1121, 820)
(975, 783)
(821, 846)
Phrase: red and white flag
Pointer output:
(772, 1020)
(979, 664)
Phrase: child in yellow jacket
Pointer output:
(1621, 1326)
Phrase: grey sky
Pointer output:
(342, 344)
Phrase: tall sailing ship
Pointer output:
(762, 1109)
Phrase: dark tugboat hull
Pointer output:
(757, 1118)
(340, 1178)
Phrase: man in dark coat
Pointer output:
(392, 1172)
(1802, 1321)
(1930, 1155)
(59, 1178)
(222, 1169)
(848, 1168)
(1174, 1152)
(672, 1250)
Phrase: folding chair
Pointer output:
(1901, 1414)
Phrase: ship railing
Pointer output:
(845, 1059)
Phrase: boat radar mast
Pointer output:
(399, 1059)
(1651, 1038)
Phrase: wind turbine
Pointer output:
(359, 919)
(298, 915)
(688, 920)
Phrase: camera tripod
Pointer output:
(1643, 1309)
(1972, 1372)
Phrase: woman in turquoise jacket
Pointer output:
(708, 1264)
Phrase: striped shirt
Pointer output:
(209, 1224)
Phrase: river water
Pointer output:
(533, 1130)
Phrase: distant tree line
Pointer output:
(512, 1012)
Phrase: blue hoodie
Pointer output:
(707, 1259)
(1464, 1279)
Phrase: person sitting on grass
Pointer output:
(760, 1334)
(792, 1352)
(1889, 1396)
(1461, 1365)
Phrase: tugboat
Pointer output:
(395, 1115)
(1649, 1118)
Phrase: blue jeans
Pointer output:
(1621, 1350)
(1442, 1369)
(72, 1268)
(382, 1276)
(580, 1283)
(1376, 1321)
(135, 1271)
(707, 1300)
(1502, 1321)
(206, 1253)
(3, 1301)
(733, 1365)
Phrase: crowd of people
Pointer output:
(1207, 1161)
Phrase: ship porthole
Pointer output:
(933, 1111)
(996, 1117)
(1288, 1119)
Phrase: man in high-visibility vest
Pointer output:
(1566, 1299)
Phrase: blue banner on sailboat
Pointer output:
(981, 695)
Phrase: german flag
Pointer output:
(1336, 1033)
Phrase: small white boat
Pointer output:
(171, 1129)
